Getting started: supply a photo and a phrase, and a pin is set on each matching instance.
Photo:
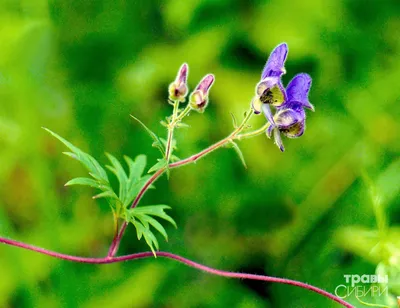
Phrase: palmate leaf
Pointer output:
(91, 164)
(100, 178)
(141, 218)
(129, 184)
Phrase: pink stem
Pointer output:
(118, 237)
(180, 259)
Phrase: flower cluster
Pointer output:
(198, 99)
(289, 118)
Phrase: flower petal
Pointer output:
(278, 140)
(276, 61)
(268, 114)
(295, 130)
(271, 91)
(298, 89)
(291, 122)
(256, 104)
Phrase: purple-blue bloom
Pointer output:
(290, 116)
(269, 90)
(297, 91)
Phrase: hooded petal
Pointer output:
(291, 122)
(276, 61)
(271, 91)
(298, 89)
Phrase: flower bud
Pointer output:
(199, 97)
(178, 89)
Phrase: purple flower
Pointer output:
(290, 116)
(178, 89)
(269, 90)
(199, 97)
(297, 92)
(275, 63)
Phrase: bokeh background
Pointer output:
(81, 67)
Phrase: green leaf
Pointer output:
(149, 220)
(141, 218)
(119, 172)
(135, 180)
(85, 182)
(154, 210)
(100, 178)
(106, 194)
(174, 158)
(239, 153)
(148, 236)
(136, 168)
(162, 163)
(88, 161)
(157, 142)
(134, 189)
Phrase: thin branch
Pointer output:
(117, 239)
(141, 255)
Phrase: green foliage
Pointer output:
(141, 218)
(161, 163)
(99, 176)
(157, 142)
(130, 185)
(238, 152)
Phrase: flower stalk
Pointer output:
(190, 263)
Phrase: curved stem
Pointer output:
(141, 255)
(117, 239)
(254, 133)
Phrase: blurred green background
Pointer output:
(81, 67)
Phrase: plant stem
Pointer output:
(108, 260)
(171, 127)
(257, 132)
(117, 239)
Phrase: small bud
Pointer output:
(199, 97)
(178, 89)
